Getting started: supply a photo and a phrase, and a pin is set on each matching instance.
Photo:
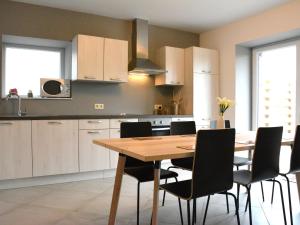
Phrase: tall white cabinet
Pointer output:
(201, 85)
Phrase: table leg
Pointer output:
(156, 193)
(298, 183)
(117, 189)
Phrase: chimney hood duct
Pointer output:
(140, 62)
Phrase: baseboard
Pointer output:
(55, 179)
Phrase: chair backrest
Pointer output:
(295, 156)
(265, 162)
(135, 129)
(213, 162)
(183, 127)
(213, 124)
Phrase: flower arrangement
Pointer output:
(224, 104)
(13, 92)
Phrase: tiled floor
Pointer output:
(88, 202)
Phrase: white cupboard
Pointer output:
(87, 58)
(205, 60)
(170, 59)
(15, 150)
(115, 60)
(99, 59)
(55, 147)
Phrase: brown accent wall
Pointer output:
(137, 96)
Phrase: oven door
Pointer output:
(160, 130)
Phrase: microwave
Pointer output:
(55, 88)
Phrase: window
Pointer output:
(275, 82)
(24, 65)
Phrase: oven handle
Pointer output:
(160, 128)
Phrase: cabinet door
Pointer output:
(114, 156)
(90, 57)
(92, 157)
(55, 147)
(174, 65)
(205, 61)
(115, 60)
(205, 98)
(15, 150)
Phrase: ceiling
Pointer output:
(189, 15)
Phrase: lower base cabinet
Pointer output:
(114, 156)
(93, 157)
(54, 147)
(15, 149)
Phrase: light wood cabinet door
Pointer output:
(172, 60)
(204, 100)
(93, 157)
(115, 60)
(15, 150)
(87, 58)
(114, 156)
(205, 61)
(55, 147)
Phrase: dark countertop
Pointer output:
(77, 117)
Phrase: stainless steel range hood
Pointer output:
(140, 63)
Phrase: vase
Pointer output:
(220, 122)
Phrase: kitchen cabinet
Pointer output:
(205, 60)
(176, 119)
(93, 157)
(87, 58)
(115, 60)
(201, 85)
(15, 151)
(205, 93)
(55, 147)
(114, 132)
(172, 60)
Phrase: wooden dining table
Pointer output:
(158, 148)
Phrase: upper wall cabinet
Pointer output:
(205, 60)
(172, 60)
(87, 58)
(99, 59)
(115, 60)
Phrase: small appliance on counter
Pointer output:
(55, 88)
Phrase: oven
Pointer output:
(160, 126)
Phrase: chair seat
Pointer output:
(182, 189)
(242, 177)
(241, 161)
(145, 174)
(186, 163)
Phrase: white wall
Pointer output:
(283, 21)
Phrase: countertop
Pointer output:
(77, 117)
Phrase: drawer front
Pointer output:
(182, 119)
(115, 123)
(93, 124)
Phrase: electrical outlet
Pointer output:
(157, 106)
(98, 106)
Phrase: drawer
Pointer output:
(114, 133)
(182, 119)
(202, 127)
(93, 124)
(115, 123)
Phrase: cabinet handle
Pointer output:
(91, 78)
(172, 82)
(94, 132)
(178, 82)
(54, 122)
(91, 121)
(115, 79)
(203, 71)
(6, 123)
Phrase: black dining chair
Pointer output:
(141, 171)
(237, 160)
(181, 128)
(210, 174)
(265, 163)
(294, 168)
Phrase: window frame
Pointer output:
(5, 45)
